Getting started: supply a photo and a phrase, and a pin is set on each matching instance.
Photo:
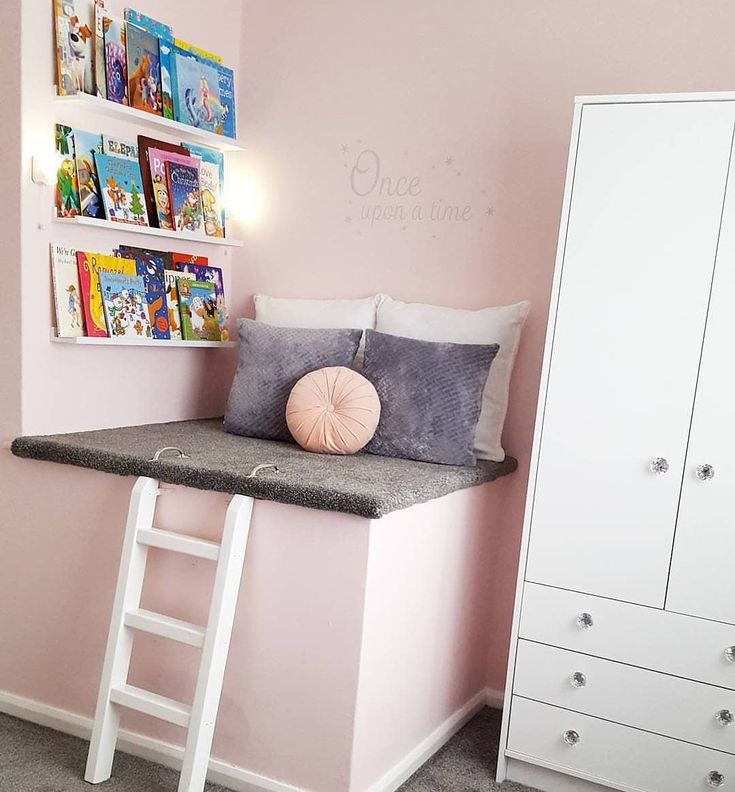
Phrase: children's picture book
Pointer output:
(74, 46)
(200, 269)
(172, 299)
(217, 158)
(227, 125)
(164, 33)
(150, 268)
(101, 21)
(164, 255)
(185, 197)
(198, 309)
(87, 145)
(122, 190)
(89, 266)
(126, 311)
(67, 187)
(144, 70)
(67, 292)
(116, 147)
(211, 199)
(116, 69)
(159, 182)
(197, 51)
(196, 91)
(154, 178)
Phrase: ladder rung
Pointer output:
(189, 545)
(151, 704)
(165, 626)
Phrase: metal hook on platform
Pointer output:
(268, 465)
(161, 451)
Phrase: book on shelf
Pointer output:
(212, 157)
(172, 300)
(197, 306)
(196, 91)
(116, 67)
(101, 21)
(122, 189)
(164, 34)
(199, 267)
(126, 311)
(117, 147)
(67, 292)
(87, 145)
(74, 46)
(153, 174)
(89, 267)
(144, 69)
(185, 196)
(150, 267)
(67, 188)
(162, 195)
(197, 52)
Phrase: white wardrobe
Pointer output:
(622, 662)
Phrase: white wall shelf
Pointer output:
(156, 122)
(121, 228)
(147, 342)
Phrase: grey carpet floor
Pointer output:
(34, 759)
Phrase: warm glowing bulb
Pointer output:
(242, 200)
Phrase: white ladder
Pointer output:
(127, 616)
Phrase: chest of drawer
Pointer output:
(684, 646)
(674, 707)
(613, 755)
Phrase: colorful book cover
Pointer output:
(197, 51)
(126, 312)
(185, 197)
(74, 46)
(122, 190)
(198, 309)
(101, 21)
(145, 144)
(116, 147)
(207, 154)
(89, 266)
(165, 256)
(67, 292)
(144, 70)
(116, 69)
(211, 199)
(150, 268)
(86, 146)
(172, 300)
(67, 187)
(228, 123)
(164, 33)
(157, 159)
(196, 92)
(200, 269)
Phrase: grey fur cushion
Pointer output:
(272, 360)
(430, 396)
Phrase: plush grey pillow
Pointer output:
(272, 360)
(430, 396)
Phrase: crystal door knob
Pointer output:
(715, 779)
(571, 737)
(730, 654)
(725, 717)
(585, 621)
(705, 472)
(660, 465)
(578, 680)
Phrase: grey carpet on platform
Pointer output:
(34, 759)
(363, 484)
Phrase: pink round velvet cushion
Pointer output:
(333, 410)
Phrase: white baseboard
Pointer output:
(436, 740)
(235, 778)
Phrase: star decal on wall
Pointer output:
(449, 160)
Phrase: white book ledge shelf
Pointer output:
(149, 342)
(121, 228)
(156, 122)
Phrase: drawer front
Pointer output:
(647, 637)
(674, 707)
(614, 755)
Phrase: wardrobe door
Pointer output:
(702, 580)
(643, 223)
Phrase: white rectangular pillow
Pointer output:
(501, 325)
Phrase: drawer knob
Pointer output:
(578, 680)
(715, 779)
(705, 472)
(725, 717)
(586, 622)
(659, 465)
(730, 654)
(571, 737)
